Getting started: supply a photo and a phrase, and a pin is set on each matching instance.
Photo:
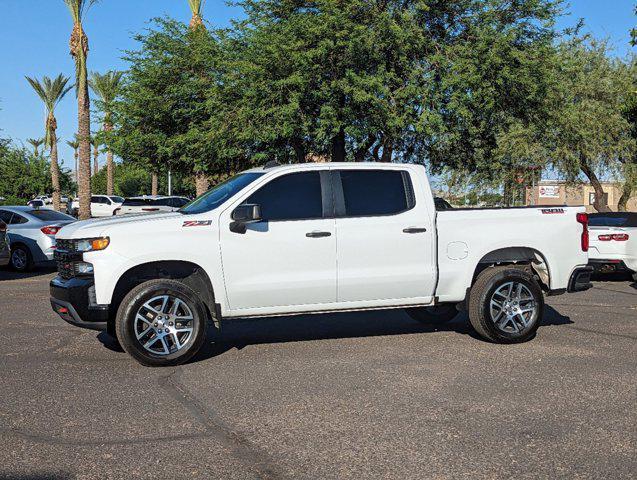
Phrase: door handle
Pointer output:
(414, 230)
(318, 234)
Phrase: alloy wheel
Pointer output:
(164, 325)
(19, 259)
(513, 307)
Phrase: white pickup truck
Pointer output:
(312, 238)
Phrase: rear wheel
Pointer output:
(161, 323)
(21, 258)
(506, 305)
(438, 314)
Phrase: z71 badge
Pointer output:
(197, 223)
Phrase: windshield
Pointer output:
(220, 193)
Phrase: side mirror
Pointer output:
(243, 215)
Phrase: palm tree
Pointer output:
(196, 7)
(75, 145)
(79, 51)
(106, 87)
(51, 91)
(196, 23)
(36, 143)
(95, 143)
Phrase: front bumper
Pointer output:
(580, 280)
(73, 300)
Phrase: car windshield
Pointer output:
(49, 215)
(220, 193)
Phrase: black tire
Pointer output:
(437, 315)
(21, 258)
(480, 306)
(126, 324)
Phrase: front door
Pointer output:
(288, 258)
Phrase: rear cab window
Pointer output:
(376, 192)
(49, 215)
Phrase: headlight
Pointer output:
(92, 244)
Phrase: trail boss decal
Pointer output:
(197, 223)
(547, 211)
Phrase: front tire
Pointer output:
(161, 323)
(506, 305)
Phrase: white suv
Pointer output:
(101, 205)
(151, 204)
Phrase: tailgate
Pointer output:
(609, 242)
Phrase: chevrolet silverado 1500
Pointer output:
(312, 238)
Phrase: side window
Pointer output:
(296, 196)
(376, 192)
(5, 216)
(18, 219)
(95, 200)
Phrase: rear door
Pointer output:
(385, 238)
(286, 262)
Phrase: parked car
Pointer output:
(32, 234)
(312, 238)
(5, 247)
(101, 205)
(152, 204)
(613, 242)
(40, 203)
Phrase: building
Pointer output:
(559, 192)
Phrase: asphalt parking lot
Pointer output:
(366, 395)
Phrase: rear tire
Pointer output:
(437, 315)
(506, 305)
(21, 258)
(161, 323)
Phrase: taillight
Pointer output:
(50, 230)
(618, 237)
(604, 238)
(583, 219)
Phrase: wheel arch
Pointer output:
(517, 256)
(189, 273)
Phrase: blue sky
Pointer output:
(34, 42)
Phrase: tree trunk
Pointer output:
(77, 179)
(627, 191)
(201, 183)
(153, 184)
(96, 160)
(388, 150)
(109, 164)
(299, 152)
(359, 156)
(109, 173)
(55, 172)
(338, 146)
(79, 51)
(600, 202)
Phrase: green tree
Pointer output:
(106, 87)
(79, 51)
(161, 115)
(51, 92)
(629, 162)
(591, 133)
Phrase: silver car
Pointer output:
(5, 252)
(32, 234)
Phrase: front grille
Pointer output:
(66, 257)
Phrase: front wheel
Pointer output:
(161, 323)
(506, 305)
